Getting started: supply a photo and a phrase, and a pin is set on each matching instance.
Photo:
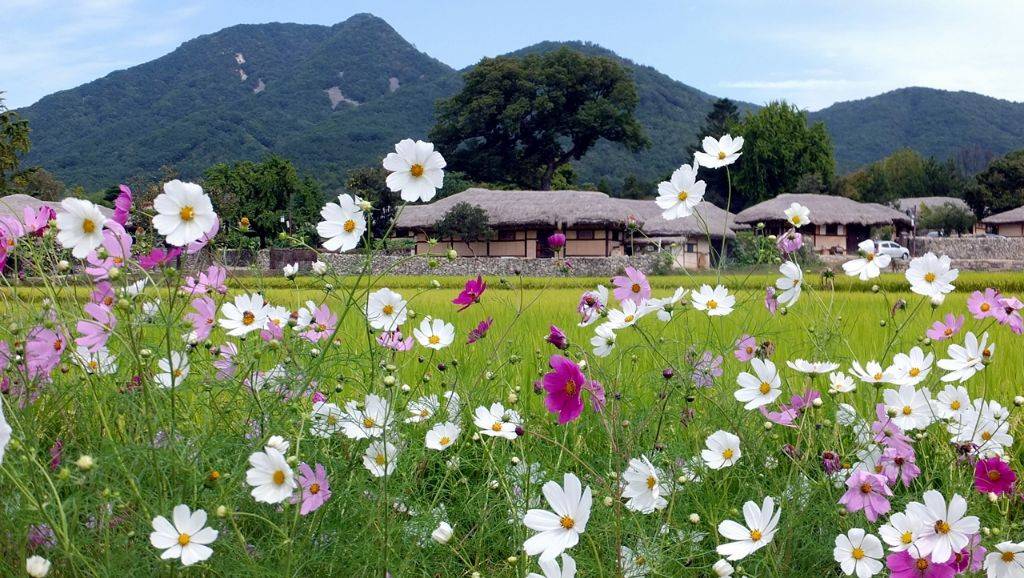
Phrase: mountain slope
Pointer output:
(933, 122)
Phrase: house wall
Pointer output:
(524, 244)
(1010, 229)
(598, 243)
(692, 254)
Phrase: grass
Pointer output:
(157, 448)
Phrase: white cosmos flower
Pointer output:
(442, 436)
(99, 362)
(80, 227)
(551, 569)
(416, 170)
(790, 284)
(559, 529)
(758, 533)
(173, 370)
(634, 564)
(184, 213)
(901, 531)
(911, 368)
(603, 340)
(872, 372)
(305, 316)
(591, 304)
(665, 306)
(967, 359)
(496, 421)
(715, 301)
(678, 196)
(246, 314)
(812, 367)
(931, 276)
(858, 552)
(723, 450)
(868, 266)
(434, 333)
(422, 409)
(719, 153)
(723, 569)
(371, 421)
(386, 310)
(343, 225)
(628, 315)
(946, 528)
(644, 487)
(909, 407)
(798, 215)
(5, 431)
(270, 476)
(326, 420)
(1006, 560)
(278, 443)
(762, 387)
(380, 458)
(840, 382)
(951, 402)
(442, 533)
(37, 566)
(187, 538)
(290, 271)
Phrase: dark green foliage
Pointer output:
(779, 150)
(519, 119)
(947, 218)
(1000, 187)
(39, 183)
(464, 221)
(903, 174)
(14, 142)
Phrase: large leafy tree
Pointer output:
(466, 222)
(1000, 187)
(904, 173)
(517, 120)
(14, 142)
(779, 150)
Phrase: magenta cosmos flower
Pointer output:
(565, 384)
(905, 565)
(556, 241)
(471, 293)
(746, 348)
(557, 338)
(316, 489)
(948, 327)
(202, 317)
(480, 331)
(37, 220)
(157, 257)
(123, 205)
(633, 286)
(95, 332)
(42, 351)
(899, 464)
(983, 305)
(868, 492)
(118, 246)
(993, 475)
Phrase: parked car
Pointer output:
(893, 249)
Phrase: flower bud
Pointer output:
(85, 462)
(442, 533)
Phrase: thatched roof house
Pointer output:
(14, 205)
(838, 223)
(594, 224)
(1008, 223)
(912, 205)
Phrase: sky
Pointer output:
(809, 52)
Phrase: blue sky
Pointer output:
(810, 52)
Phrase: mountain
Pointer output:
(936, 123)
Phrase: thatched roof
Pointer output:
(14, 205)
(1011, 216)
(707, 218)
(914, 204)
(824, 209)
(568, 208)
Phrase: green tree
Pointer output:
(904, 174)
(464, 221)
(518, 119)
(948, 218)
(1000, 187)
(39, 183)
(779, 149)
(14, 142)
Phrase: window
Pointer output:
(691, 247)
(831, 229)
(506, 235)
(615, 235)
(585, 234)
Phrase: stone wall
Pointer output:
(466, 266)
(973, 253)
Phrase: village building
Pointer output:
(838, 224)
(913, 207)
(594, 225)
(1008, 223)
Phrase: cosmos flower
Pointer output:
(967, 359)
(718, 153)
(343, 224)
(557, 338)
(982, 305)
(644, 487)
(858, 552)
(187, 538)
(442, 436)
(247, 313)
(1006, 560)
(80, 227)
(947, 528)
(434, 333)
(870, 264)
(386, 310)
(471, 293)
(746, 348)
(558, 529)
(931, 276)
(945, 329)
(869, 492)
(123, 205)
(760, 388)
(496, 421)
(993, 475)
(416, 170)
(758, 533)
(798, 215)
(603, 340)
(173, 370)
(551, 569)
(715, 301)
(380, 458)
(315, 488)
(904, 564)
(184, 213)
(565, 384)
(678, 196)
(790, 284)
(270, 476)
(157, 257)
(723, 450)
(480, 331)
(591, 304)
(633, 286)
(790, 242)
(95, 332)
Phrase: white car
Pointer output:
(893, 249)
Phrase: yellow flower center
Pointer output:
(248, 318)
(795, 220)
(986, 352)
(635, 288)
(929, 277)
(865, 488)
(1007, 557)
(570, 387)
(922, 564)
(416, 170)
(907, 538)
(955, 405)
(986, 435)
(368, 422)
(755, 535)
(567, 522)
(942, 527)
(914, 372)
(187, 213)
(434, 340)
(907, 410)
(948, 331)
(388, 309)
(993, 475)
(651, 482)
(177, 372)
(857, 553)
(88, 226)
(424, 412)
(727, 454)
(878, 376)
(279, 477)
(445, 440)
(683, 195)
(496, 426)
(184, 539)
(712, 304)
(628, 318)
(765, 388)
(93, 365)
(314, 489)
(985, 307)
(380, 459)
(870, 256)
(722, 155)
(349, 226)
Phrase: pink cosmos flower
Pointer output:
(590, 306)
(393, 340)
(868, 492)
(971, 558)
(118, 245)
(565, 384)
(706, 368)
(95, 332)
(315, 488)
(557, 338)
(157, 257)
(43, 350)
(771, 302)
(888, 434)
(788, 414)
(994, 475)
(56, 454)
(480, 331)
(899, 464)
(746, 348)
(1009, 314)
(123, 206)
(983, 305)
(203, 316)
(37, 220)
(943, 330)
(471, 293)
(906, 565)
(225, 362)
(103, 294)
(790, 242)
(196, 246)
(633, 286)
(322, 326)
(213, 279)
(272, 331)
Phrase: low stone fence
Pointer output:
(508, 266)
